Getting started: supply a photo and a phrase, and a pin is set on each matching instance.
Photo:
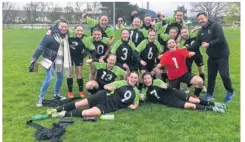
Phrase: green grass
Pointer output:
(149, 123)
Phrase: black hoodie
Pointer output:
(213, 34)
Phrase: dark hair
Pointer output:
(151, 30)
(103, 15)
(201, 13)
(147, 15)
(174, 28)
(171, 39)
(97, 28)
(178, 11)
(124, 30)
(136, 18)
(62, 21)
(79, 26)
(146, 73)
(133, 72)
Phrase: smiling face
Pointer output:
(79, 31)
(184, 33)
(103, 21)
(125, 35)
(133, 79)
(202, 19)
(136, 23)
(171, 45)
(111, 60)
(63, 27)
(173, 33)
(147, 79)
(152, 36)
(147, 20)
(97, 35)
(179, 16)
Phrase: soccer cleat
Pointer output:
(58, 114)
(51, 111)
(59, 97)
(82, 94)
(204, 89)
(70, 95)
(39, 102)
(220, 105)
(229, 96)
(208, 97)
(218, 110)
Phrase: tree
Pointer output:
(123, 9)
(69, 12)
(31, 12)
(183, 9)
(8, 12)
(79, 10)
(43, 10)
(54, 12)
(232, 13)
(214, 10)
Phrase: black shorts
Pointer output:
(98, 100)
(178, 99)
(197, 58)
(186, 78)
(149, 67)
(77, 60)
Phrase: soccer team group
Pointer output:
(148, 63)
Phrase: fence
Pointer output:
(37, 26)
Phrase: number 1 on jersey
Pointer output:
(175, 62)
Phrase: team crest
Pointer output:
(209, 31)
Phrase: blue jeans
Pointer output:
(48, 79)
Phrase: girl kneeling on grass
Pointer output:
(122, 94)
(157, 91)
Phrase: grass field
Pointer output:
(149, 123)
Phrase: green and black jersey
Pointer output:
(148, 51)
(163, 39)
(105, 76)
(101, 46)
(123, 96)
(136, 35)
(190, 40)
(107, 31)
(78, 45)
(171, 22)
(156, 93)
(124, 51)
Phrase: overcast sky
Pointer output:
(167, 8)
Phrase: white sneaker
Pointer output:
(59, 97)
(39, 102)
(204, 89)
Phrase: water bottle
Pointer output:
(107, 117)
(39, 117)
